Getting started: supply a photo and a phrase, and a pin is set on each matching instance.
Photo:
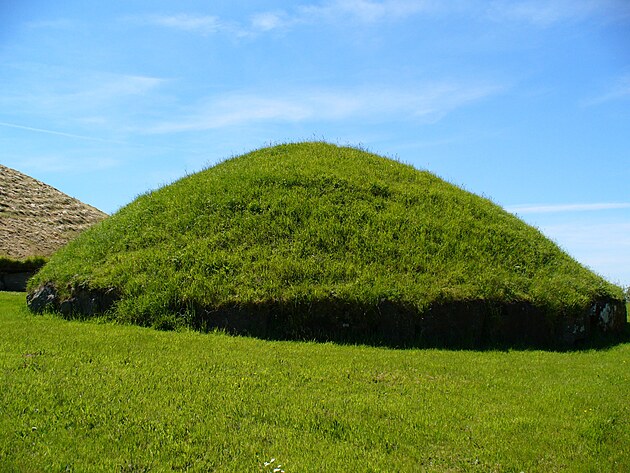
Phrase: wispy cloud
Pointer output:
(106, 88)
(586, 234)
(371, 104)
(84, 105)
(49, 86)
(205, 25)
(558, 208)
(353, 11)
(620, 90)
(66, 164)
(271, 20)
(604, 247)
(58, 24)
(537, 12)
(57, 133)
(189, 22)
(544, 13)
(362, 11)
(367, 11)
(540, 13)
(202, 24)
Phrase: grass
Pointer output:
(84, 396)
(294, 225)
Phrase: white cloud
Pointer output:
(268, 21)
(106, 87)
(205, 24)
(363, 11)
(544, 13)
(77, 104)
(557, 208)
(429, 104)
(65, 164)
(367, 11)
(56, 133)
(620, 90)
(59, 24)
(585, 234)
(233, 110)
(49, 87)
(603, 247)
(598, 239)
(541, 13)
(535, 12)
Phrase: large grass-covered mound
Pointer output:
(319, 241)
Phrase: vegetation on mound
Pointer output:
(298, 224)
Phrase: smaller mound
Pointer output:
(37, 219)
(312, 240)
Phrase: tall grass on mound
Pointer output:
(297, 224)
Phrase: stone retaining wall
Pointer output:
(14, 281)
(460, 324)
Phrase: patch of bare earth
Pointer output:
(37, 219)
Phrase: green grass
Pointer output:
(84, 396)
(298, 224)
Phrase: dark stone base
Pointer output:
(462, 324)
(83, 303)
(14, 281)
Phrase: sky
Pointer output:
(524, 102)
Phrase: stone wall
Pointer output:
(14, 281)
(463, 324)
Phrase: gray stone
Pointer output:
(43, 298)
(609, 316)
(88, 302)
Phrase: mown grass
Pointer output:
(301, 223)
(83, 396)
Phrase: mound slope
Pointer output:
(37, 219)
(313, 240)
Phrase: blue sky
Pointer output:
(525, 102)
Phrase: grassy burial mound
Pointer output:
(35, 221)
(313, 240)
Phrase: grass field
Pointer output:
(89, 396)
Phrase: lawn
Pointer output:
(90, 396)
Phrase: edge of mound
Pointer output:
(471, 324)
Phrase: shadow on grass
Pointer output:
(461, 325)
(600, 342)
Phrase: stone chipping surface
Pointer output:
(37, 219)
